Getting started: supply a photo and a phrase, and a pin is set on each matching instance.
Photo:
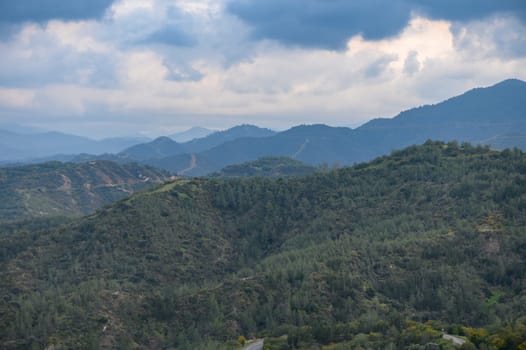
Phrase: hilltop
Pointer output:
(267, 167)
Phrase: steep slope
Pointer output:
(480, 115)
(56, 189)
(359, 255)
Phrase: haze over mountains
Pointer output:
(18, 146)
(495, 116)
(193, 133)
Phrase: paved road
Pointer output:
(455, 340)
(256, 346)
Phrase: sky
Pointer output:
(105, 68)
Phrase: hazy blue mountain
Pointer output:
(159, 148)
(508, 140)
(482, 115)
(220, 137)
(312, 144)
(42, 144)
(20, 129)
(165, 147)
(29, 147)
(8, 153)
(194, 133)
(494, 115)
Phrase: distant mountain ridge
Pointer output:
(25, 146)
(476, 116)
(220, 137)
(494, 115)
(196, 132)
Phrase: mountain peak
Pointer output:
(195, 132)
(316, 129)
(245, 128)
(512, 82)
(159, 148)
(163, 139)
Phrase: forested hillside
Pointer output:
(267, 167)
(383, 255)
(66, 189)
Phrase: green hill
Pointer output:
(66, 189)
(382, 255)
(267, 167)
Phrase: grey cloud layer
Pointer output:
(330, 23)
(14, 11)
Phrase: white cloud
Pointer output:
(75, 74)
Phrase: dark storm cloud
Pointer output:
(321, 23)
(15, 11)
(463, 10)
(330, 23)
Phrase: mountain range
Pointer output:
(196, 132)
(30, 146)
(495, 116)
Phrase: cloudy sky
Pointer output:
(123, 67)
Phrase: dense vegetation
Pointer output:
(383, 255)
(67, 189)
(267, 167)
